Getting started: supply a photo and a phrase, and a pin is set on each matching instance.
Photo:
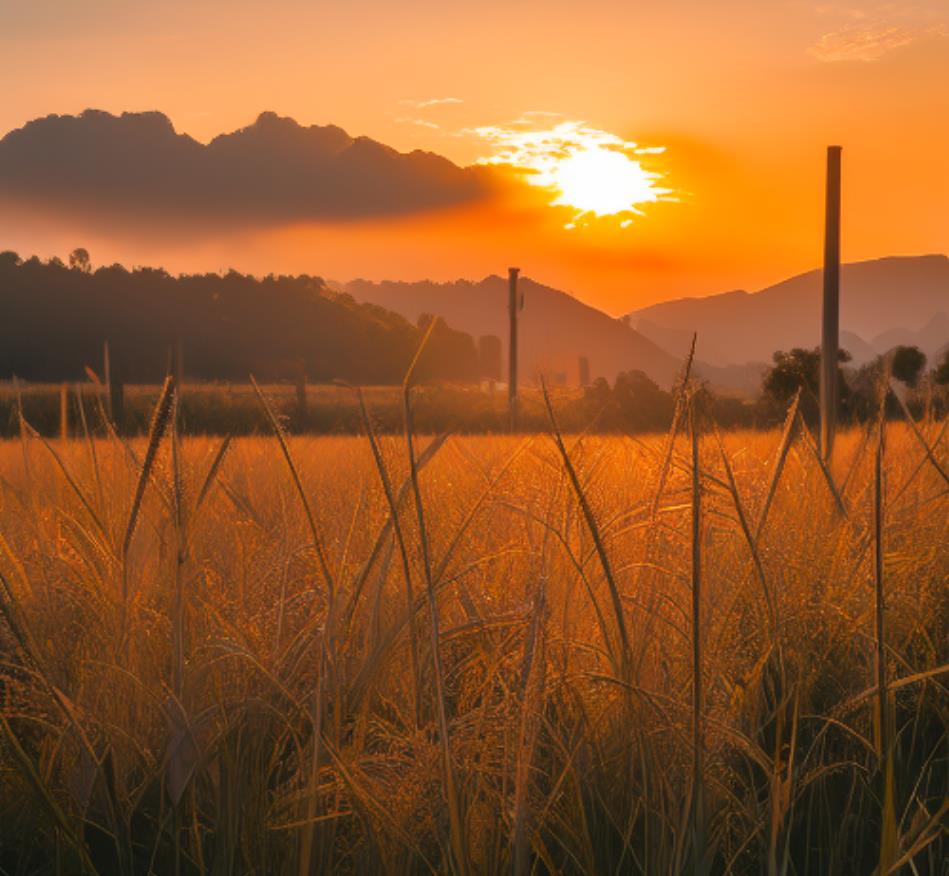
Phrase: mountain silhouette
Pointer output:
(273, 169)
(883, 302)
(555, 329)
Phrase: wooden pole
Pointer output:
(179, 370)
(830, 324)
(300, 381)
(64, 411)
(115, 383)
(513, 307)
(107, 376)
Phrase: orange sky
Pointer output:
(744, 96)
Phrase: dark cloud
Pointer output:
(272, 170)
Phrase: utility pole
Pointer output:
(513, 305)
(830, 324)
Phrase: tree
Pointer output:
(941, 372)
(907, 363)
(800, 369)
(635, 403)
(79, 260)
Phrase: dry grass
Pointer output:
(207, 408)
(554, 706)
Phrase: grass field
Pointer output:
(233, 409)
(255, 671)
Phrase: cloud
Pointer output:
(873, 29)
(868, 42)
(536, 147)
(422, 123)
(274, 170)
(430, 102)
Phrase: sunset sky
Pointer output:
(743, 96)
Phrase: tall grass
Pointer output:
(608, 684)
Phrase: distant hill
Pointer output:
(555, 328)
(884, 302)
(272, 169)
(56, 319)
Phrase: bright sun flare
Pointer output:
(593, 172)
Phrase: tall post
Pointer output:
(179, 365)
(300, 385)
(512, 307)
(107, 376)
(830, 324)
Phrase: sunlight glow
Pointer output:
(593, 172)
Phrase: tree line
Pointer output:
(636, 403)
(57, 319)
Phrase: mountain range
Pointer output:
(555, 329)
(273, 169)
(883, 303)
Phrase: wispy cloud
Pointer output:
(427, 103)
(531, 117)
(868, 42)
(422, 123)
(512, 146)
(871, 30)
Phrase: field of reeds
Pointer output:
(460, 654)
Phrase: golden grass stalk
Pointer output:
(749, 538)
(699, 840)
(787, 439)
(306, 846)
(213, 471)
(591, 523)
(403, 552)
(181, 540)
(459, 855)
(919, 466)
(315, 533)
(888, 828)
(382, 536)
(532, 683)
(159, 423)
(90, 443)
(674, 426)
(161, 416)
(911, 422)
(825, 471)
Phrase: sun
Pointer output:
(603, 182)
(593, 172)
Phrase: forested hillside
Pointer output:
(56, 320)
